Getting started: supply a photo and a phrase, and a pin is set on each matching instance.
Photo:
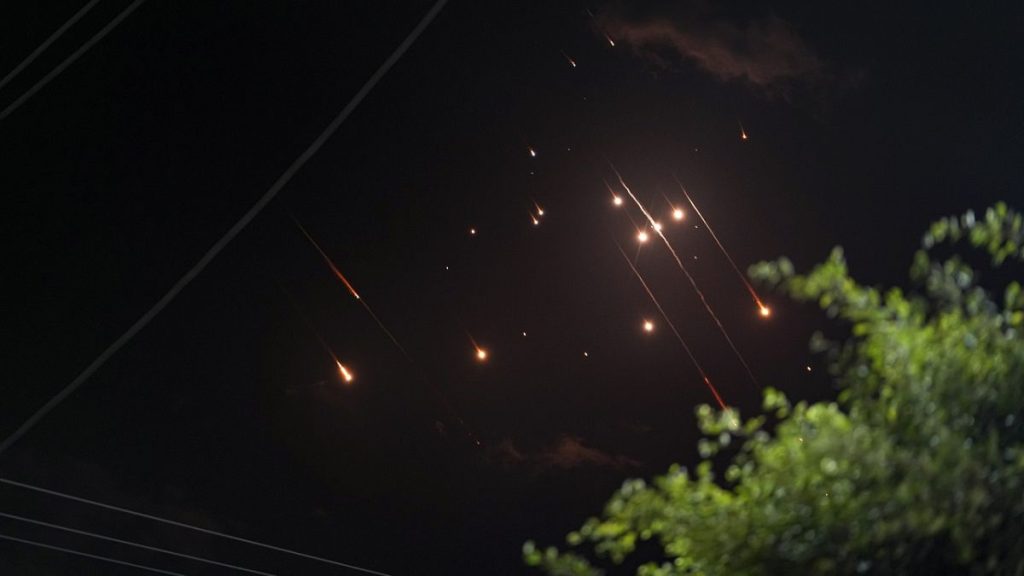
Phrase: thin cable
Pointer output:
(46, 43)
(70, 59)
(231, 233)
(130, 543)
(186, 526)
(87, 555)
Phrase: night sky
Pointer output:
(865, 122)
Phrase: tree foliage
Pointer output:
(917, 467)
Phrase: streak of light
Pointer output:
(534, 220)
(345, 374)
(232, 232)
(569, 59)
(327, 260)
(609, 39)
(686, 348)
(533, 153)
(762, 308)
(656, 226)
(808, 368)
(480, 352)
(352, 290)
(693, 283)
(743, 133)
(586, 355)
(540, 210)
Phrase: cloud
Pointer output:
(766, 53)
(566, 453)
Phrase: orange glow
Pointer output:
(642, 236)
(648, 326)
(345, 374)
(678, 214)
(765, 311)
(481, 354)
(617, 200)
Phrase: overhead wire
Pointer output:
(138, 545)
(46, 43)
(89, 555)
(228, 236)
(69, 60)
(168, 522)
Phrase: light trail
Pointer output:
(693, 283)
(231, 233)
(762, 308)
(481, 353)
(682, 342)
(348, 285)
(569, 59)
(346, 376)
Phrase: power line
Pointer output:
(70, 59)
(231, 233)
(187, 526)
(46, 43)
(88, 555)
(130, 543)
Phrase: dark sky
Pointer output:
(865, 123)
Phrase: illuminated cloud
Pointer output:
(566, 453)
(766, 53)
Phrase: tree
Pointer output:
(917, 467)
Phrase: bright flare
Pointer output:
(617, 200)
(678, 214)
(533, 153)
(657, 226)
(648, 326)
(345, 374)
(472, 231)
(609, 39)
(481, 354)
(534, 220)
(765, 311)
(642, 236)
